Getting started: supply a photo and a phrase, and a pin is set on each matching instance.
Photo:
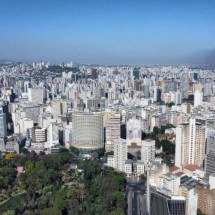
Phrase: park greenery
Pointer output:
(51, 184)
(167, 146)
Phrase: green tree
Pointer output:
(157, 144)
(109, 153)
(138, 155)
(9, 212)
(168, 147)
(25, 151)
(199, 212)
(156, 130)
(74, 150)
(119, 197)
(118, 212)
(52, 211)
(162, 129)
(59, 203)
(29, 166)
(100, 152)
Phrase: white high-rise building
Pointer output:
(112, 131)
(170, 182)
(198, 98)
(56, 107)
(120, 154)
(134, 131)
(68, 135)
(148, 151)
(3, 125)
(177, 98)
(182, 141)
(52, 135)
(36, 95)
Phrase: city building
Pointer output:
(112, 131)
(120, 154)
(148, 151)
(3, 125)
(88, 131)
(190, 143)
(35, 95)
(198, 98)
(164, 204)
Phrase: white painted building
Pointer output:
(140, 167)
(36, 95)
(134, 131)
(110, 161)
(120, 154)
(170, 182)
(128, 167)
(148, 151)
(198, 98)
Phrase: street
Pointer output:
(136, 198)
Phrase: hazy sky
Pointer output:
(106, 31)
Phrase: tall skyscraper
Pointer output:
(134, 131)
(3, 125)
(112, 131)
(157, 94)
(210, 152)
(52, 135)
(148, 151)
(182, 142)
(136, 73)
(163, 204)
(36, 95)
(184, 85)
(190, 143)
(198, 98)
(120, 154)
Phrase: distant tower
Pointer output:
(184, 85)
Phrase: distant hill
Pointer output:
(205, 57)
(4, 61)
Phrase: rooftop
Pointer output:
(192, 167)
(173, 168)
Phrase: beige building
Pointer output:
(197, 86)
(190, 143)
(24, 124)
(154, 122)
(206, 200)
(112, 131)
(191, 198)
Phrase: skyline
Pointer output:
(95, 32)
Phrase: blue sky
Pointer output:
(106, 31)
